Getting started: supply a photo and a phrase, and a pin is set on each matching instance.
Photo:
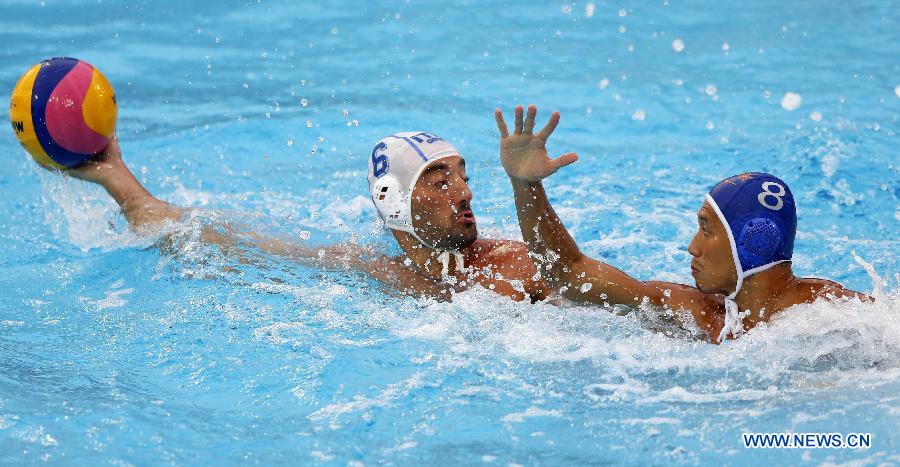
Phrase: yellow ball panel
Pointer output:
(99, 108)
(20, 117)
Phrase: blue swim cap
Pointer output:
(758, 212)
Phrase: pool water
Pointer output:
(116, 351)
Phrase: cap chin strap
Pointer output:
(443, 255)
(734, 323)
(734, 319)
(444, 258)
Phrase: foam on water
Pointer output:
(120, 348)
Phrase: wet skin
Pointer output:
(565, 268)
(442, 211)
(443, 217)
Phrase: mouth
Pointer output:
(695, 270)
(465, 217)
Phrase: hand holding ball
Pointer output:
(63, 111)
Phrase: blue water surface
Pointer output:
(129, 350)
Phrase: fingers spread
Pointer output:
(519, 123)
(529, 120)
(551, 125)
(501, 124)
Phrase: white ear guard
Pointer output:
(393, 203)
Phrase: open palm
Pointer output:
(523, 153)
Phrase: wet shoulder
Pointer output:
(809, 289)
(500, 251)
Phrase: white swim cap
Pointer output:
(396, 164)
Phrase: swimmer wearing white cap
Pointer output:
(741, 252)
(419, 186)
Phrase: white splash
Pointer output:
(678, 45)
(791, 101)
(113, 299)
(530, 412)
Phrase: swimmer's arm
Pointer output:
(586, 280)
(553, 250)
(350, 257)
(144, 212)
(398, 277)
(147, 214)
(705, 309)
(562, 264)
(556, 255)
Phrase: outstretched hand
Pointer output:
(523, 153)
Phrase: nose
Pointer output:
(465, 193)
(694, 247)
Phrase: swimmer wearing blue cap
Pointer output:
(741, 252)
(420, 189)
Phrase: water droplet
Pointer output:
(710, 90)
(622, 13)
(304, 102)
(586, 287)
(622, 29)
(603, 83)
(589, 9)
(678, 45)
(639, 115)
(897, 91)
(710, 125)
(290, 142)
(791, 101)
(815, 116)
(309, 124)
(567, 9)
(304, 235)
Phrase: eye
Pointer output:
(440, 183)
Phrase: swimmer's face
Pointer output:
(441, 205)
(713, 265)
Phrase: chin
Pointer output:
(470, 237)
(460, 240)
(702, 286)
(713, 289)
